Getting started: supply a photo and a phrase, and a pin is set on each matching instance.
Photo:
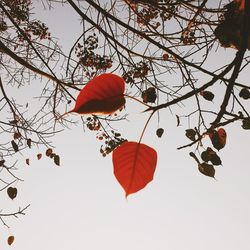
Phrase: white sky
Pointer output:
(80, 205)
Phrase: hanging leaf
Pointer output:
(165, 57)
(241, 4)
(246, 123)
(10, 240)
(190, 134)
(207, 169)
(178, 120)
(159, 132)
(218, 138)
(29, 143)
(149, 95)
(17, 135)
(49, 151)
(134, 165)
(244, 93)
(27, 161)
(210, 155)
(104, 94)
(14, 146)
(57, 160)
(39, 156)
(12, 192)
(222, 136)
(207, 95)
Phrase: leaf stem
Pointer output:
(144, 129)
(133, 98)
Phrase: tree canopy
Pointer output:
(155, 52)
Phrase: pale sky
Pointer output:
(80, 205)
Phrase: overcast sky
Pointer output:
(80, 205)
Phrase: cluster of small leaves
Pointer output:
(218, 140)
(19, 140)
(49, 153)
(151, 11)
(93, 123)
(88, 58)
(149, 95)
(139, 70)
(188, 36)
(111, 142)
(18, 9)
(229, 30)
(147, 14)
(38, 29)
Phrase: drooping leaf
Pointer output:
(207, 95)
(39, 156)
(29, 143)
(244, 93)
(10, 240)
(2, 162)
(49, 151)
(159, 132)
(57, 160)
(218, 138)
(12, 192)
(207, 169)
(178, 120)
(17, 135)
(190, 134)
(165, 56)
(27, 161)
(246, 123)
(104, 94)
(210, 155)
(222, 136)
(149, 95)
(134, 165)
(14, 146)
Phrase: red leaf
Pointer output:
(102, 95)
(134, 165)
(222, 136)
(218, 138)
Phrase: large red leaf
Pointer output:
(103, 94)
(134, 165)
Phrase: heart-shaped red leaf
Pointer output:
(134, 165)
(103, 94)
